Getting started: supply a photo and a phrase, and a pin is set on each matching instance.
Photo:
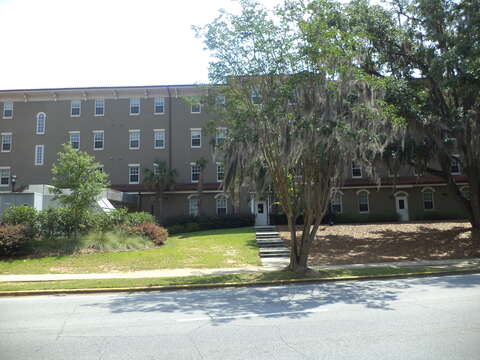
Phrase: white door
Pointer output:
(261, 213)
(402, 207)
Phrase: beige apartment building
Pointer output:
(127, 128)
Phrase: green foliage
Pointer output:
(14, 239)
(439, 215)
(77, 182)
(63, 222)
(136, 218)
(110, 241)
(185, 224)
(20, 215)
(346, 218)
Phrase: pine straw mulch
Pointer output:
(367, 243)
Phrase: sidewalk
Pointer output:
(456, 263)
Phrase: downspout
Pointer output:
(170, 128)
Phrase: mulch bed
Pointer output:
(367, 243)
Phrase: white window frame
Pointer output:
(131, 133)
(7, 135)
(337, 200)
(8, 105)
(130, 167)
(39, 119)
(193, 210)
(73, 104)
(198, 132)
(156, 169)
(355, 166)
(195, 102)
(162, 133)
(428, 190)
(220, 99)
(70, 134)
(359, 203)
(132, 103)
(2, 169)
(220, 131)
(193, 166)
(255, 96)
(221, 199)
(37, 148)
(158, 101)
(95, 132)
(455, 160)
(220, 165)
(102, 102)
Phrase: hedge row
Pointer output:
(182, 224)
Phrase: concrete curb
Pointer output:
(232, 285)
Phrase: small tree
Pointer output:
(77, 182)
(159, 179)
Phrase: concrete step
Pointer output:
(274, 251)
(282, 255)
(270, 243)
(265, 229)
(268, 236)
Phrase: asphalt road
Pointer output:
(419, 318)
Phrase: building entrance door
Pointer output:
(261, 213)
(402, 207)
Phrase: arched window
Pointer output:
(428, 203)
(363, 201)
(337, 202)
(221, 202)
(41, 117)
(193, 205)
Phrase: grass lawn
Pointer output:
(203, 249)
(249, 278)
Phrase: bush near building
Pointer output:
(57, 230)
(184, 224)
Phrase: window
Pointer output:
(159, 105)
(196, 138)
(41, 123)
(220, 100)
(193, 206)
(134, 173)
(220, 136)
(4, 176)
(221, 205)
(156, 169)
(194, 172)
(356, 170)
(159, 138)
(455, 166)
(134, 106)
(7, 110)
(6, 142)
(195, 108)
(220, 172)
(134, 139)
(99, 107)
(75, 108)
(39, 154)
(255, 96)
(74, 139)
(427, 199)
(336, 204)
(363, 205)
(465, 190)
(98, 140)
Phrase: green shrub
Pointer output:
(360, 218)
(182, 224)
(136, 218)
(62, 222)
(157, 234)
(14, 239)
(118, 240)
(440, 215)
(21, 215)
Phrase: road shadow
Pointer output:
(224, 305)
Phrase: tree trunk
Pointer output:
(299, 249)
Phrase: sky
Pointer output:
(72, 43)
